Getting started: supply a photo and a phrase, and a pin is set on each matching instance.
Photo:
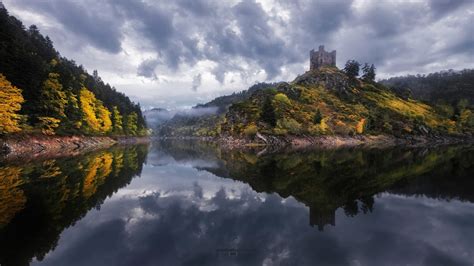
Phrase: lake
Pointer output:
(191, 203)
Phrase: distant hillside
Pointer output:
(41, 90)
(445, 87)
(202, 119)
(223, 102)
(326, 101)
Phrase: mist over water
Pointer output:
(191, 203)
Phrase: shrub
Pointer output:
(290, 125)
(250, 130)
(48, 125)
(282, 98)
(360, 126)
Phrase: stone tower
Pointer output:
(321, 58)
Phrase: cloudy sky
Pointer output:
(178, 53)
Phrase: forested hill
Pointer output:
(328, 101)
(42, 91)
(444, 87)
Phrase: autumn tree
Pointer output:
(130, 124)
(10, 103)
(116, 121)
(73, 112)
(96, 117)
(103, 114)
(53, 99)
(51, 104)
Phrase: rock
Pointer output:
(335, 80)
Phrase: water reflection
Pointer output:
(325, 180)
(39, 200)
(195, 204)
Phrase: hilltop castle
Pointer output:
(321, 58)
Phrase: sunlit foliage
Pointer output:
(117, 121)
(10, 104)
(96, 117)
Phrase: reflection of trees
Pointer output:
(12, 198)
(326, 180)
(40, 200)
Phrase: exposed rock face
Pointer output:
(331, 80)
(321, 58)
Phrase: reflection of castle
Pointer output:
(321, 217)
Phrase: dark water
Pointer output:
(189, 203)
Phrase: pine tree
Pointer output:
(368, 72)
(268, 113)
(352, 68)
(318, 117)
(10, 103)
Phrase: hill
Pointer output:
(444, 87)
(42, 91)
(326, 101)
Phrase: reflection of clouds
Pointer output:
(178, 228)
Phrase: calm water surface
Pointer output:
(190, 203)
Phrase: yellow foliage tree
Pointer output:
(116, 121)
(131, 126)
(360, 126)
(48, 124)
(10, 103)
(53, 99)
(103, 114)
(96, 117)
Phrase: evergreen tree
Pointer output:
(352, 68)
(31, 63)
(318, 117)
(368, 72)
(10, 103)
(268, 112)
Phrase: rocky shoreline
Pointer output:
(342, 141)
(32, 146)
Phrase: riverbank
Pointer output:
(342, 141)
(38, 145)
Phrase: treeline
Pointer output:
(42, 91)
(445, 87)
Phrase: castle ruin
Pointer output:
(321, 58)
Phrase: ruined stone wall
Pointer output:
(321, 58)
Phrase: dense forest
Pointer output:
(41, 91)
(449, 87)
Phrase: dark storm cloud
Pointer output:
(440, 8)
(247, 36)
(320, 19)
(147, 68)
(90, 25)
